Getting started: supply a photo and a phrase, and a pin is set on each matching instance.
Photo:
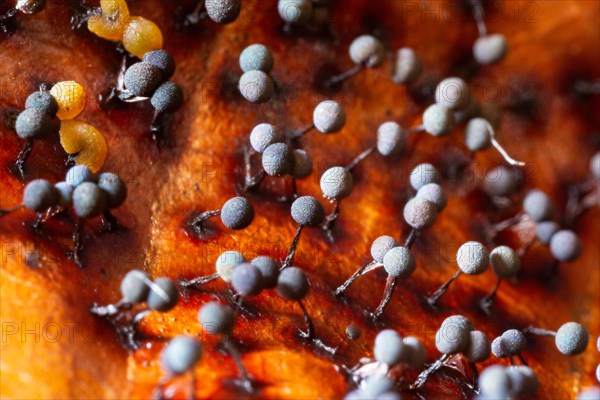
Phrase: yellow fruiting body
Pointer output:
(70, 97)
(85, 141)
(111, 24)
(141, 36)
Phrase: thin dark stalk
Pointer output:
(200, 219)
(340, 290)
(292, 250)
(538, 331)
(235, 354)
(198, 281)
(410, 240)
(422, 378)
(433, 299)
(344, 75)
(487, 301)
(362, 156)
(77, 243)
(390, 284)
(309, 333)
(23, 156)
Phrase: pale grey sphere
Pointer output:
(307, 210)
(256, 57)
(391, 139)
(336, 183)
(472, 258)
(180, 355)
(269, 270)
(303, 164)
(277, 159)
(399, 262)
(523, 380)
(417, 355)
(495, 383)
(595, 165)
(501, 181)
(565, 245)
(216, 318)
(163, 295)
(389, 347)
(545, 230)
(295, 11)
(423, 174)
(376, 385)
(223, 11)
(367, 50)
(434, 193)
(490, 49)
(227, 262)
(438, 120)
(571, 338)
(88, 200)
(134, 286)
(329, 116)
(256, 86)
(237, 213)
(505, 261)
(477, 134)
(39, 195)
(420, 213)
(381, 246)
(591, 393)
(64, 192)
(453, 93)
(408, 66)
(453, 336)
(479, 347)
(513, 342)
(538, 205)
(264, 135)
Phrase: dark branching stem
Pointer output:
(522, 360)
(330, 219)
(23, 156)
(340, 290)
(200, 219)
(361, 157)
(475, 375)
(479, 14)
(390, 284)
(110, 222)
(235, 354)
(422, 378)
(110, 310)
(251, 182)
(156, 126)
(309, 333)
(487, 301)
(433, 299)
(198, 281)
(302, 132)
(344, 75)
(292, 250)
(7, 22)
(410, 239)
(532, 330)
(77, 243)
(40, 219)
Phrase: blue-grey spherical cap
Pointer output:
(524, 381)
(434, 193)
(497, 347)
(39, 195)
(538, 205)
(292, 284)
(453, 335)
(303, 164)
(295, 11)
(565, 245)
(389, 347)
(64, 192)
(227, 262)
(505, 261)
(356, 394)
(571, 338)
(494, 383)
(477, 134)
(142, 79)
(366, 50)
(256, 86)
(277, 159)
(591, 393)
(479, 347)
(167, 98)
(391, 139)
(472, 258)
(598, 343)
(598, 376)
(336, 183)
(163, 295)
(377, 385)
(237, 213)
(223, 11)
(420, 213)
(501, 181)
(423, 174)
(256, 57)
(399, 262)
(216, 318)
(247, 280)
(438, 120)
(513, 342)
(329, 116)
(408, 66)
(307, 210)
(44, 101)
(453, 93)
(114, 187)
(269, 269)
(88, 200)
(262, 136)
(134, 286)
(353, 332)
(490, 49)
(545, 230)
(391, 395)
(162, 60)
(78, 174)
(417, 355)
(381, 246)
(595, 165)
(180, 355)
(33, 123)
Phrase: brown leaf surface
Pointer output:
(552, 44)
